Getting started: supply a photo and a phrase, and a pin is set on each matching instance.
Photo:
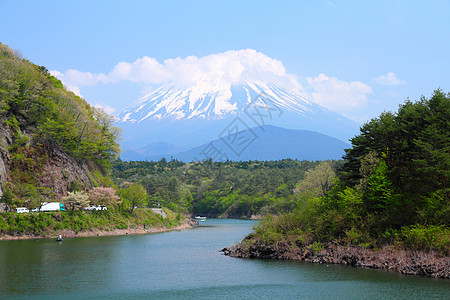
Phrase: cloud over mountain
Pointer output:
(229, 67)
(220, 71)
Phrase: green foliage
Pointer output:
(414, 143)
(227, 189)
(76, 200)
(318, 181)
(410, 150)
(42, 116)
(74, 186)
(436, 209)
(44, 224)
(379, 193)
(353, 236)
(269, 232)
(427, 237)
(392, 189)
(135, 194)
(7, 197)
(316, 247)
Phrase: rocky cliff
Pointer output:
(51, 141)
(5, 142)
(50, 170)
(404, 261)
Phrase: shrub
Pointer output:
(427, 237)
(316, 247)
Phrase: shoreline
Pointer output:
(404, 261)
(188, 224)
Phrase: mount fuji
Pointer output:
(176, 118)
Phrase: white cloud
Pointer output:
(106, 108)
(78, 78)
(338, 95)
(220, 69)
(69, 86)
(389, 79)
(57, 74)
(146, 69)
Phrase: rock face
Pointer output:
(60, 171)
(50, 139)
(56, 170)
(403, 261)
(5, 142)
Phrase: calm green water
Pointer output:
(187, 265)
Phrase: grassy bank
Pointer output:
(294, 229)
(413, 250)
(404, 261)
(49, 223)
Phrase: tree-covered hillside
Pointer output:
(226, 189)
(33, 100)
(48, 136)
(393, 187)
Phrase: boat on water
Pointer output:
(199, 218)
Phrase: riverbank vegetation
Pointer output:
(392, 189)
(34, 225)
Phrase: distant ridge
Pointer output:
(265, 143)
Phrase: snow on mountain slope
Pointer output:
(204, 101)
(193, 115)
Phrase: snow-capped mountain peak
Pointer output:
(205, 100)
(197, 113)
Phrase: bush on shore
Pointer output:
(46, 223)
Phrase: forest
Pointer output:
(217, 189)
(392, 188)
(42, 113)
(41, 124)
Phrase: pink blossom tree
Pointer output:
(103, 196)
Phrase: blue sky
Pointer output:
(356, 57)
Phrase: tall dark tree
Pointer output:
(414, 143)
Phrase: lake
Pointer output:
(187, 265)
